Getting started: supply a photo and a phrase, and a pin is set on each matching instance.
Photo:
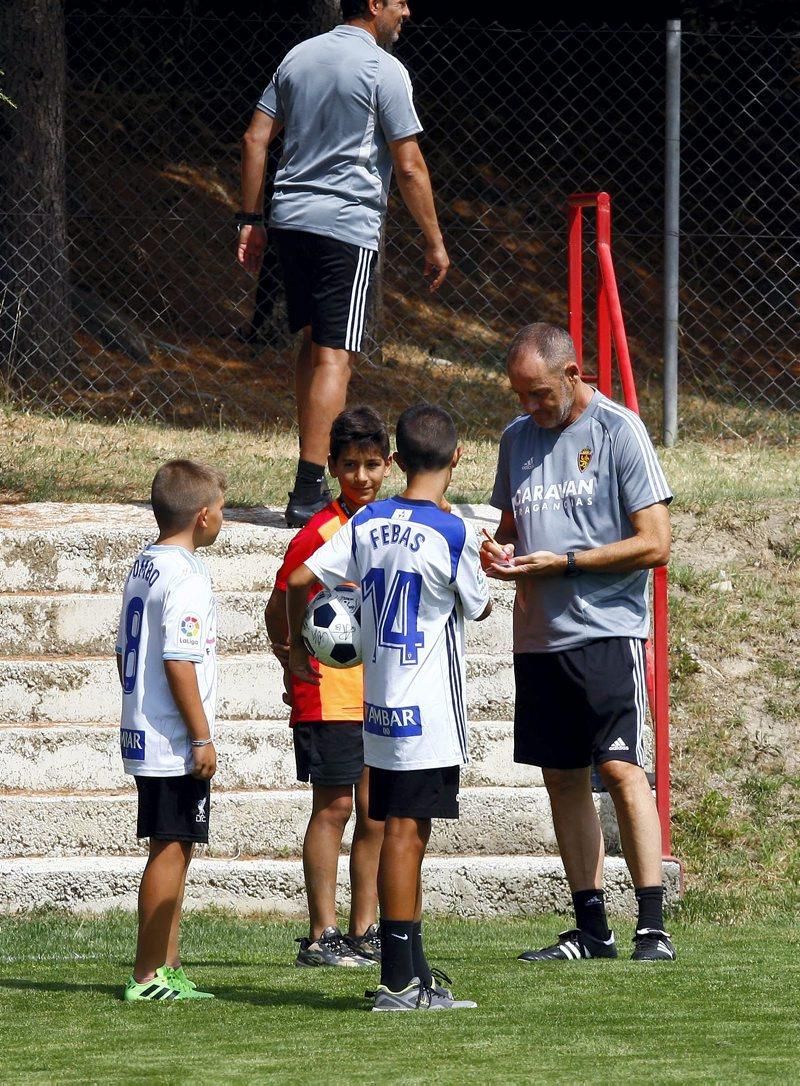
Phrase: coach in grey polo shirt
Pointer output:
(584, 516)
(347, 114)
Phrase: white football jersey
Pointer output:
(168, 613)
(420, 575)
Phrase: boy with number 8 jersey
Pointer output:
(420, 576)
(166, 659)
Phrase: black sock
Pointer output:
(421, 967)
(309, 481)
(397, 954)
(590, 912)
(650, 900)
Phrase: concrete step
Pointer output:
(473, 887)
(493, 821)
(46, 547)
(85, 624)
(75, 758)
(69, 689)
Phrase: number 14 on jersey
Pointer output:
(396, 612)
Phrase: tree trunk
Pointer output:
(35, 325)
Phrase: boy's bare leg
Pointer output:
(331, 808)
(159, 893)
(404, 844)
(302, 377)
(173, 959)
(364, 856)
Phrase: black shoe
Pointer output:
(572, 946)
(367, 945)
(299, 513)
(652, 945)
(329, 949)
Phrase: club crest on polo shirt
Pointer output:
(396, 723)
(584, 458)
(189, 630)
(132, 744)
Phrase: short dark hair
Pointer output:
(361, 426)
(354, 9)
(552, 344)
(181, 488)
(426, 438)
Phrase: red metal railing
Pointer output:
(611, 331)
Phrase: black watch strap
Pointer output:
(571, 570)
(249, 218)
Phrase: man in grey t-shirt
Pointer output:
(345, 107)
(584, 516)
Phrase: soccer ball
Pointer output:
(332, 626)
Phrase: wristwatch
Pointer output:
(248, 218)
(571, 570)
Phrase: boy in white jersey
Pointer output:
(419, 574)
(166, 659)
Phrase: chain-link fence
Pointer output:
(165, 325)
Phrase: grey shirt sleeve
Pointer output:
(640, 478)
(394, 101)
(270, 102)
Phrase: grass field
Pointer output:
(724, 1012)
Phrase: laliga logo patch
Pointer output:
(190, 630)
(584, 456)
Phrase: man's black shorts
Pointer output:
(581, 705)
(414, 793)
(173, 808)
(328, 285)
(330, 753)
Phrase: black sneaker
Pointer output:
(572, 946)
(298, 513)
(329, 949)
(652, 945)
(367, 945)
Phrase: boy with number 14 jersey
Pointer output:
(420, 576)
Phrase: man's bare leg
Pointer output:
(577, 826)
(325, 398)
(637, 817)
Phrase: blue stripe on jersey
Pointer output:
(452, 529)
(456, 688)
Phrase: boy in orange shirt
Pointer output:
(327, 720)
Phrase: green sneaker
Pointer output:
(176, 978)
(155, 990)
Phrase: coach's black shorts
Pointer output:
(173, 808)
(581, 705)
(328, 285)
(330, 753)
(413, 793)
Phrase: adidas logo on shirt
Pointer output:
(619, 744)
(529, 464)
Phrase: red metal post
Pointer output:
(611, 328)
(575, 279)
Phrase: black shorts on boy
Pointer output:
(173, 808)
(329, 753)
(414, 793)
(581, 706)
(328, 283)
